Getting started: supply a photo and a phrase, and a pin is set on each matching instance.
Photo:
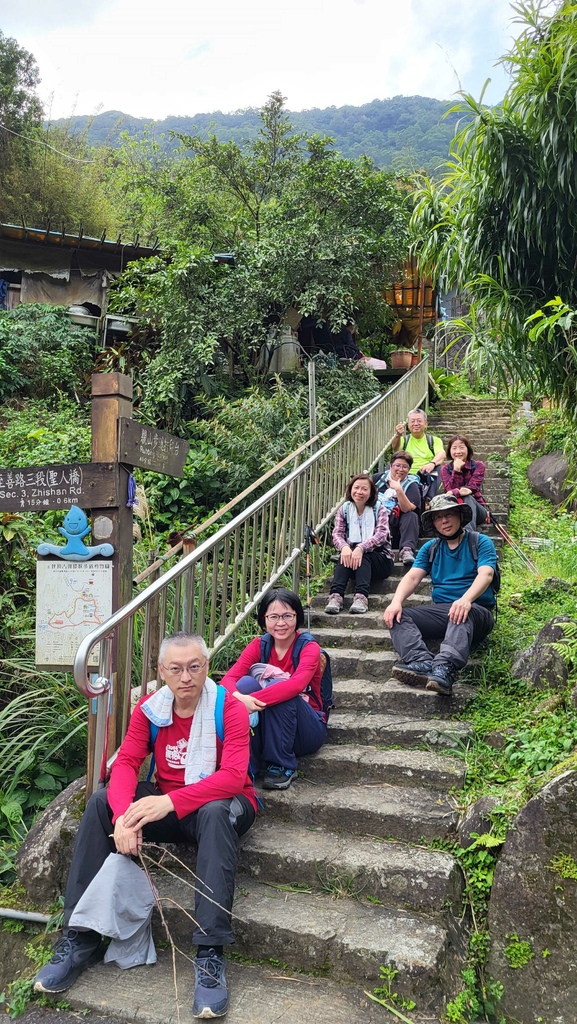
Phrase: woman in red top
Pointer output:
(463, 477)
(291, 720)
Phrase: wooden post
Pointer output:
(111, 400)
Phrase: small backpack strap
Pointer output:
(265, 647)
(153, 737)
(301, 641)
(219, 712)
(473, 544)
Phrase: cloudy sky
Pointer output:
(152, 59)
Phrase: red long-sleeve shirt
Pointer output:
(466, 477)
(230, 778)
(306, 676)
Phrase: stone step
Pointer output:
(366, 635)
(398, 876)
(373, 619)
(353, 663)
(394, 697)
(349, 661)
(258, 995)
(347, 762)
(343, 938)
(377, 809)
(388, 731)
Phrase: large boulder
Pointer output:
(539, 664)
(547, 476)
(533, 909)
(43, 859)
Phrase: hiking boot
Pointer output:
(277, 777)
(334, 605)
(406, 556)
(413, 673)
(442, 677)
(360, 605)
(210, 991)
(73, 953)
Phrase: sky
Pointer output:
(183, 57)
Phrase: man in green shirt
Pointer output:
(427, 450)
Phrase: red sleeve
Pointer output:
(133, 750)
(340, 530)
(230, 778)
(307, 668)
(250, 656)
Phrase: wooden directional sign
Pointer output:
(148, 448)
(38, 488)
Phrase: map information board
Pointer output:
(71, 599)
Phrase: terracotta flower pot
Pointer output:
(401, 359)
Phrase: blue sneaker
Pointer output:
(73, 953)
(210, 991)
(413, 673)
(277, 777)
(253, 719)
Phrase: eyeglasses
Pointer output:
(192, 670)
(285, 617)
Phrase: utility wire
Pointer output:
(47, 145)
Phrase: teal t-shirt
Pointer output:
(453, 572)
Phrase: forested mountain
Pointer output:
(402, 133)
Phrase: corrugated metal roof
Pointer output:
(124, 251)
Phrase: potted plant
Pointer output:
(400, 358)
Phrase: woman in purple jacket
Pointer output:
(462, 476)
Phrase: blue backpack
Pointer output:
(304, 638)
(218, 724)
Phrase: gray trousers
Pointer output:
(431, 622)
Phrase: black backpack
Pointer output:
(304, 638)
(473, 539)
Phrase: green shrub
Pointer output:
(42, 353)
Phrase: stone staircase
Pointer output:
(340, 874)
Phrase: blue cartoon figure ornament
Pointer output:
(75, 529)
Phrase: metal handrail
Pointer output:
(212, 590)
(177, 548)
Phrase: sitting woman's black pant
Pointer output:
(404, 530)
(376, 565)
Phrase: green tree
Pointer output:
(311, 231)
(20, 108)
(501, 225)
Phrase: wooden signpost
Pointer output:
(119, 443)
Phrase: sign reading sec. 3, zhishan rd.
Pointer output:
(39, 488)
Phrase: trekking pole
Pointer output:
(310, 538)
(527, 562)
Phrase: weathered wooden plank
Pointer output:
(39, 488)
(148, 448)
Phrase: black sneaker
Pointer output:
(210, 991)
(413, 673)
(277, 777)
(442, 677)
(75, 951)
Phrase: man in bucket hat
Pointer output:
(462, 608)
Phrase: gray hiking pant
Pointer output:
(431, 622)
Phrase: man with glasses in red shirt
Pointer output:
(202, 794)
